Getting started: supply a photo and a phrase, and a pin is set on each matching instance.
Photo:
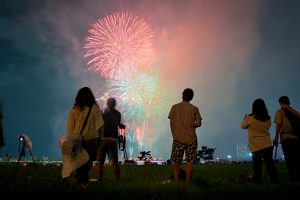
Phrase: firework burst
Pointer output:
(118, 41)
(120, 49)
(143, 101)
(134, 92)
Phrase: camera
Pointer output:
(25, 140)
(21, 138)
(122, 142)
(122, 126)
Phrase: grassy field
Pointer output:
(210, 181)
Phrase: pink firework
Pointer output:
(118, 41)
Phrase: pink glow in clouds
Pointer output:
(206, 38)
(205, 45)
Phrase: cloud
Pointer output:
(208, 45)
(214, 47)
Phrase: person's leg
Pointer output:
(267, 155)
(297, 161)
(288, 157)
(293, 163)
(117, 171)
(101, 159)
(97, 160)
(188, 171)
(100, 171)
(82, 174)
(176, 157)
(176, 169)
(113, 152)
(257, 166)
(191, 157)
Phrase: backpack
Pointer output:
(294, 121)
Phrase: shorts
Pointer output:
(179, 148)
(110, 148)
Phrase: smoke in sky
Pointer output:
(213, 47)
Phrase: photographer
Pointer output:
(259, 141)
(1, 128)
(109, 141)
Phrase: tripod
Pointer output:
(23, 145)
(122, 147)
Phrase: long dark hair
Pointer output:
(85, 97)
(259, 110)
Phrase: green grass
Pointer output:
(210, 181)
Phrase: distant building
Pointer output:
(242, 151)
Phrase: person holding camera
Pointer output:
(109, 140)
(1, 128)
(184, 119)
(259, 141)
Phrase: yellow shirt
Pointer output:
(76, 119)
(258, 133)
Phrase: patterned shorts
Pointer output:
(179, 148)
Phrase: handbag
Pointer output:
(73, 155)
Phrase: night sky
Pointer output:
(230, 52)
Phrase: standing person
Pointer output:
(1, 128)
(85, 101)
(290, 143)
(259, 140)
(109, 141)
(184, 119)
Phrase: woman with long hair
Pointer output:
(259, 141)
(85, 103)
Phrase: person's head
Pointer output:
(284, 101)
(187, 94)
(259, 110)
(111, 103)
(85, 97)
